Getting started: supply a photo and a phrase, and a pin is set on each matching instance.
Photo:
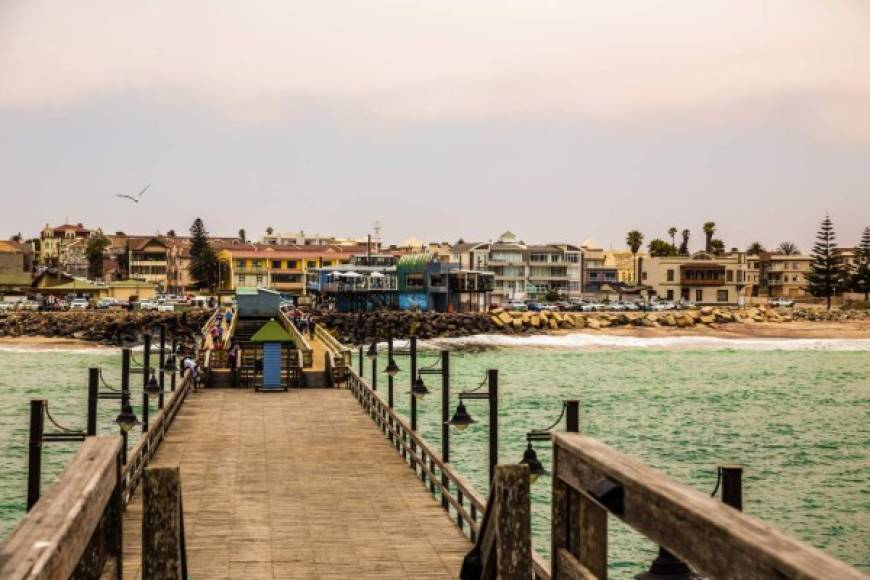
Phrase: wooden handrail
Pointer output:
(74, 529)
(147, 445)
(332, 344)
(592, 481)
(418, 453)
(298, 340)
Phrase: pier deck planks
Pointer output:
(297, 485)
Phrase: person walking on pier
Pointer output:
(228, 317)
(311, 326)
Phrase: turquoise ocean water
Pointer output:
(795, 414)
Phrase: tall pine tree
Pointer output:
(825, 278)
(861, 276)
(204, 264)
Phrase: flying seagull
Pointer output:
(134, 199)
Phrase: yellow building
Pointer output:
(624, 262)
(282, 268)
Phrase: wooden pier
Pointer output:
(297, 485)
(331, 483)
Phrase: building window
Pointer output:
(241, 280)
(312, 263)
(276, 264)
(643, 276)
(255, 263)
(259, 280)
(291, 264)
(729, 275)
(240, 263)
(721, 295)
(670, 293)
(670, 276)
(572, 258)
(699, 295)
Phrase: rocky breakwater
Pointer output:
(107, 327)
(359, 328)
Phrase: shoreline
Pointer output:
(37, 343)
(849, 329)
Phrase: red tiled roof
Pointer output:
(79, 228)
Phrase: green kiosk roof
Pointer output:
(271, 332)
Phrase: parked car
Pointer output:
(615, 306)
(166, 307)
(517, 305)
(687, 305)
(780, 302)
(662, 305)
(593, 307)
(631, 306)
(147, 305)
(106, 303)
(561, 306)
(533, 306)
(79, 304)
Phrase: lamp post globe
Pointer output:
(418, 388)
(152, 388)
(372, 352)
(530, 458)
(461, 418)
(126, 419)
(169, 365)
(392, 368)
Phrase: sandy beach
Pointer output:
(47, 343)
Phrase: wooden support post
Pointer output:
(34, 451)
(513, 525)
(163, 551)
(732, 485)
(93, 391)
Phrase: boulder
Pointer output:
(706, 310)
(709, 319)
(668, 320)
(554, 325)
(593, 323)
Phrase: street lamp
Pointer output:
(462, 419)
(372, 353)
(152, 387)
(127, 419)
(392, 368)
(418, 388)
(170, 366)
(530, 456)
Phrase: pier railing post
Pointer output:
(445, 418)
(163, 550)
(34, 451)
(93, 393)
(360, 363)
(493, 422)
(146, 364)
(390, 377)
(572, 416)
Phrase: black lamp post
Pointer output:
(146, 366)
(372, 355)
(462, 419)
(162, 359)
(571, 412)
(392, 370)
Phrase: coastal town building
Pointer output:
(16, 265)
(523, 271)
(624, 262)
(599, 277)
(64, 247)
(777, 275)
(282, 268)
(701, 278)
(300, 238)
(408, 282)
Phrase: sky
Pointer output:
(439, 119)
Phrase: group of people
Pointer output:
(217, 329)
(304, 323)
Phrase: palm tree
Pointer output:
(672, 231)
(269, 231)
(684, 246)
(788, 249)
(243, 236)
(709, 230)
(634, 239)
(755, 248)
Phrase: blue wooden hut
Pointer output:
(276, 345)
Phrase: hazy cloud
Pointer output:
(402, 61)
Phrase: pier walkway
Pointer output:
(297, 485)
